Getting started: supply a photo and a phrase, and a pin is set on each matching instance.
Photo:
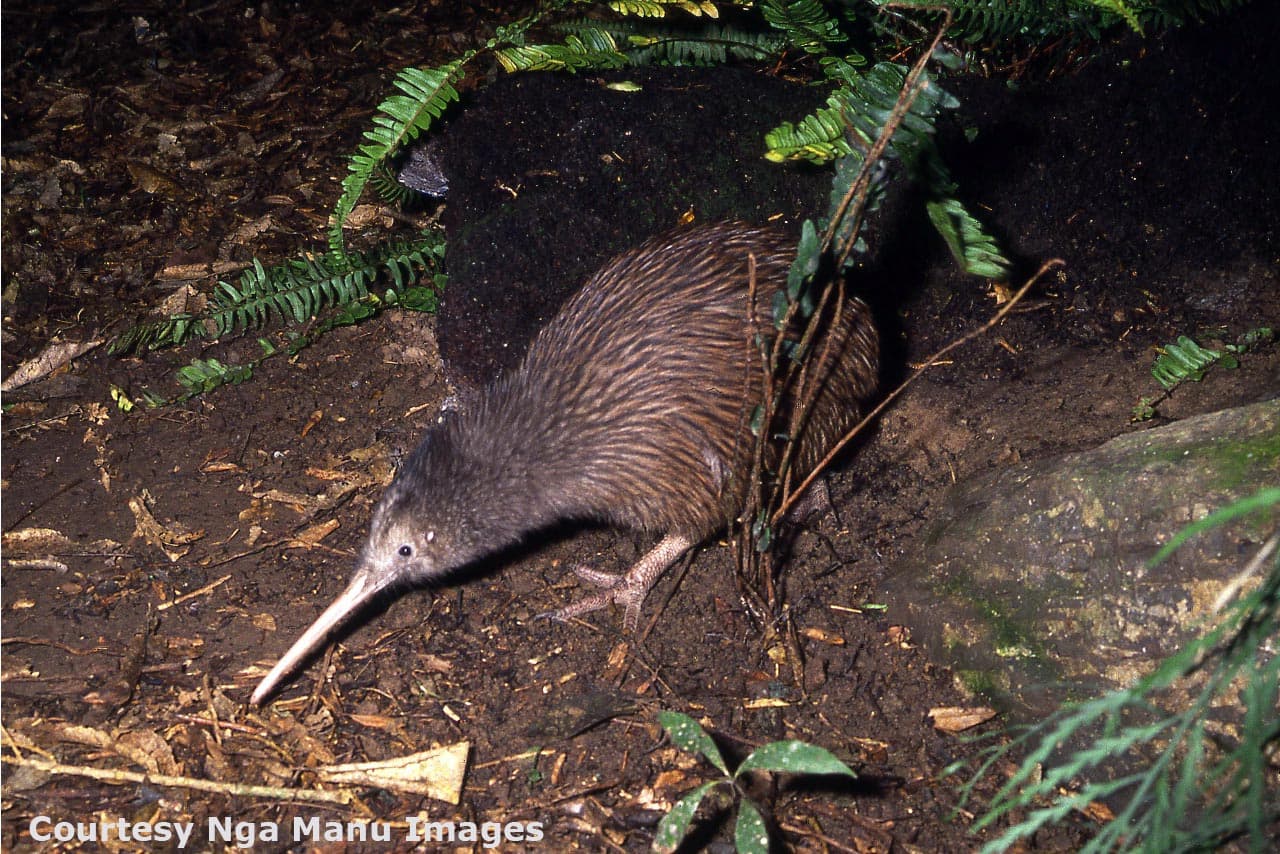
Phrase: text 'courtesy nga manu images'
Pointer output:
(246, 834)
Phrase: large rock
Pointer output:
(1034, 585)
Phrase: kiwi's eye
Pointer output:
(406, 550)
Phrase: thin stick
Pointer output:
(185, 597)
(111, 775)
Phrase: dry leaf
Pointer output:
(52, 357)
(314, 534)
(375, 721)
(158, 535)
(186, 272)
(316, 417)
(435, 773)
(40, 541)
(960, 718)
(1099, 812)
(823, 636)
(303, 503)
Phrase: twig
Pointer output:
(164, 606)
(242, 790)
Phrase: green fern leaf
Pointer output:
(974, 250)
(1121, 10)
(1183, 361)
(805, 22)
(645, 43)
(207, 374)
(818, 138)
(597, 50)
(658, 8)
(400, 120)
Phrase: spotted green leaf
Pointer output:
(675, 824)
(795, 757)
(688, 735)
(750, 836)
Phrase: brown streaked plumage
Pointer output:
(630, 407)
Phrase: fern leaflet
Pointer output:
(658, 8)
(805, 22)
(590, 49)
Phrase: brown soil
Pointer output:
(217, 134)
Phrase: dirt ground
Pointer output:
(138, 141)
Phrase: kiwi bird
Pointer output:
(631, 407)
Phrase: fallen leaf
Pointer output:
(154, 182)
(823, 636)
(50, 359)
(960, 718)
(36, 541)
(314, 534)
(1099, 812)
(165, 538)
(434, 773)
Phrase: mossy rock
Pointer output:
(1034, 584)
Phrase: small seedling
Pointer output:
(750, 834)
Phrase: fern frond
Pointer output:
(658, 8)
(1180, 801)
(1038, 20)
(390, 190)
(644, 43)
(1186, 361)
(424, 94)
(805, 22)
(207, 374)
(171, 331)
(295, 291)
(849, 124)
(593, 49)
(1122, 11)
(974, 250)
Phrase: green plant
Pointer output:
(1040, 20)
(750, 832)
(1204, 787)
(1186, 361)
(859, 104)
(337, 290)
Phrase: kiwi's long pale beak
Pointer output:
(362, 590)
